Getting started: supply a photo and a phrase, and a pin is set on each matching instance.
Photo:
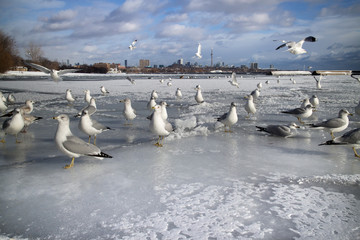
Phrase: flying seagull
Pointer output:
(132, 45)
(131, 80)
(233, 80)
(198, 54)
(296, 47)
(54, 74)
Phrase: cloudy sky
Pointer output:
(238, 31)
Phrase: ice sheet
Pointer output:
(203, 184)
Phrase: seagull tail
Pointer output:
(332, 142)
(261, 129)
(101, 155)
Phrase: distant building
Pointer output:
(126, 63)
(180, 61)
(253, 65)
(144, 63)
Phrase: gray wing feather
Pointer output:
(77, 145)
(352, 136)
(223, 117)
(331, 123)
(39, 67)
(61, 72)
(6, 124)
(98, 125)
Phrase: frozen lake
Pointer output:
(203, 184)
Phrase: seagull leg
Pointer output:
(95, 140)
(300, 120)
(356, 154)
(162, 141)
(71, 164)
(332, 135)
(2, 140)
(89, 138)
(16, 139)
(158, 142)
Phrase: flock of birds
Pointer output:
(72, 146)
(20, 118)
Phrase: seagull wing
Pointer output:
(79, 146)
(223, 117)
(281, 46)
(233, 77)
(39, 67)
(62, 72)
(352, 136)
(310, 39)
(331, 123)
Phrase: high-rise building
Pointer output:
(253, 65)
(144, 63)
(181, 61)
(126, 63)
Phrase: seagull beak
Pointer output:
(121, 100)
(351, 114)
(152, 107)
(55, 118)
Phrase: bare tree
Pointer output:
(34, 52)
(8, 53)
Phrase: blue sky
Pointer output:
(238, 31)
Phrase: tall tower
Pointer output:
(212, 57)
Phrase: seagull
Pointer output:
(259, 85)
(305, 102)
(11, 99)
(3, 106)
(90, 126)
(314, 100)
(351, 138)
(2, 97)
(154, 94)
(318, 84)
(198, 53)
(233, 80)
(87, 95)
(54, 74)
(151, 103)
(103, 90)
(229, 118)
(280, 130)
(357, 78)
(357, 109)
(132, 45)
(255, 93)
(69, 96)
(161, 80)
(198, 97)
(250, 106)
(158, 126)
(129, 113)
(13, 125)
(132, 81)
(28, 119)
(28, 107)
(73, 146)
(91, 108)
(296, 47)
(178, 93)
(169, 84)
(335, 124)
(300, 113)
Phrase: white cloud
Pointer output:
(90, 48)
(181, 31)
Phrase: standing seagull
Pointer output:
(198, 97)
(198, 53)
(335, 124)
(28, 107)
(158, 125)
(73, 146)
(87, 95)
(229, 118)
(11, 99)
(132, 45)
(129, 113)
(233, 80)
(300, 113)
(154, 94)
(13, 125)
(318, 82)
(90, 126)
(54, 74)
(351, 138)
(178, 93)
(250, 106)
(314, 100)
(3, 106)
(296, 47)
(151, 103)
(91, 108)
(103, 90)
(69, 97)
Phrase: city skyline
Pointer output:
(238, 32)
